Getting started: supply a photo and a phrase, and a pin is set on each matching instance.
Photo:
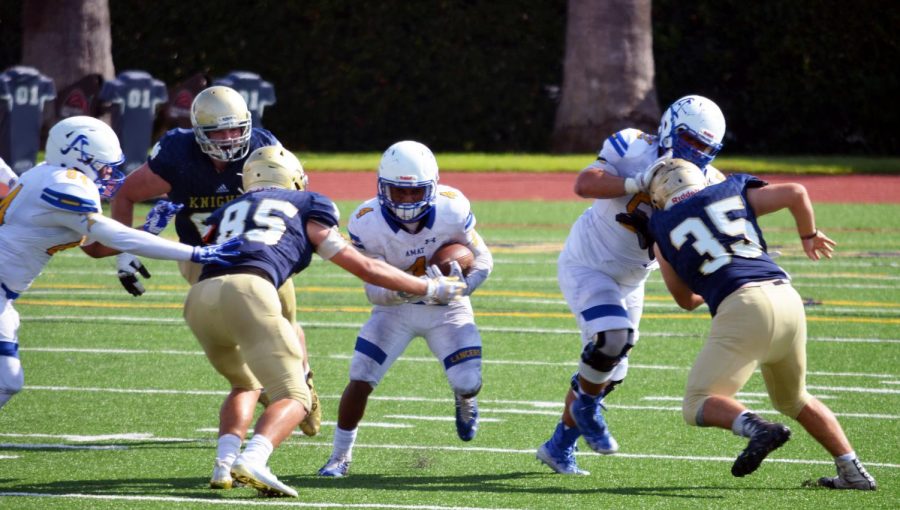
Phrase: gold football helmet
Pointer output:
(274, 167)
(675, 181)
(221, 108)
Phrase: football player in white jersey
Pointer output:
(7, 178)
(55, 206)
(606, 260)
(412, 217)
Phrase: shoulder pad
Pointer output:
(627, 143)
(70, 190)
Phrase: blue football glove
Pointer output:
(160, 216)
(218, 253)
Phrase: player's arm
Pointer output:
(142, 184)
(481, 266)
(683, 295)
(330, 245)
(597, 181)
(793, 196)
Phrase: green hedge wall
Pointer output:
(793, 77)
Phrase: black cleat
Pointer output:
(768, 437)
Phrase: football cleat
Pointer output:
(312, 423)
(561, 461)
(856, 478)
(221, 477)
(336, 467)
(261, 479)
(767, 438)
(585, 410)
(466, 417)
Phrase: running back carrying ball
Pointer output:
(450, 252)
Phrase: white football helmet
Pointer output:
(693, 127)
(273, 167)
(87, 145)
(675, 181)
(215, 109)
(407, 165)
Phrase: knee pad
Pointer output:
(604, 352)
(465, 379)
(791, 407)
(12, 378)
(692, 409)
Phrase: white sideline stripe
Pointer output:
(9, 457)
(423, 359)
(854, 389)
(357, 325)
(238, 502)
(51, 446)
(481, 419)
(672, 307)
(139, 436)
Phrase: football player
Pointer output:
(235, 312)
(56, 206)
(7, 178)
(412, 217)
(200, 170)
(711, 249)
(605, 262)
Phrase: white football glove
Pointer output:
(456, 271)
(444, 289)
(640, 183)
(127, 266)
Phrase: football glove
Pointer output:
(443, 289)
(640, 222)
(127, 266)
(218, 253)
(160, 216)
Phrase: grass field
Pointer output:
(120, 406)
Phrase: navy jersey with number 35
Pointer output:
(273, 224)
(713, 240)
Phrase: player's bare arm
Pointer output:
(367, 269)
(793, 196)
(596, 182)
(683, 295)
(142, 184)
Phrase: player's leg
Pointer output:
(12, 377)
(740, 336)
(204, 316)
(382, 340)
(268, 345)
(785, 376)
(287, 295)
(454, 339)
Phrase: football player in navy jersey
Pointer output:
(235, 312)
(711, 249)
(200, 170)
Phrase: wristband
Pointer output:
(811, 236)
(631, 186)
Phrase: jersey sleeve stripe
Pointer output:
(614, 141)
(68, 202)
(470, 220)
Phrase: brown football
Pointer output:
(450, 252)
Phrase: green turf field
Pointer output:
(120, 406)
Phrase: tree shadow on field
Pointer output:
(505, 483)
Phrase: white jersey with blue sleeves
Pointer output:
(29, 228)
(377, 235)
(596, 236)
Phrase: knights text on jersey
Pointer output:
(194, 180)
(713, 240)
(273, 225)
(29, 235)
(377, 235)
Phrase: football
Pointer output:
(450, 252)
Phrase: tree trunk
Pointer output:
(67, 39)
(607, 74)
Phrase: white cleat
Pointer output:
(261, 479)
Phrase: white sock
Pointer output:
(737, 426)
(258, 450)
(343, 442)
(227, 449)
(845, 462)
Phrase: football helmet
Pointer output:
(273, 167)
(693, 127)
(407, 165)
(88, 145)
(674, 182)
(215, 109)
